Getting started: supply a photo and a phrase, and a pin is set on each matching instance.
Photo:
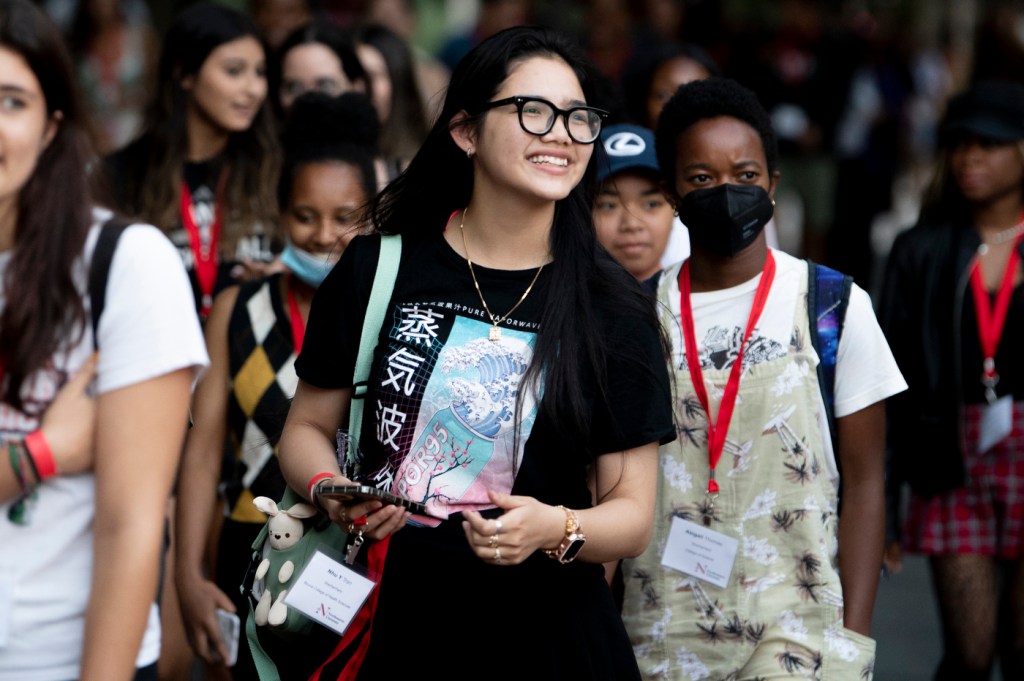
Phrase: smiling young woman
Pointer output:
(516, 358)
(204, 167)
(83, 498)
(254, 333)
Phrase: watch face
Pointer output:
(574, 548)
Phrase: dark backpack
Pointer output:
(99, 269)
(828, 296)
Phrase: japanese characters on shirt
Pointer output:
(444, 403)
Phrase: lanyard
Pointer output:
(204, 255)
(298, 326)
(717, 430)
(992, 318)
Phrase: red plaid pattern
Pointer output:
(987, 515)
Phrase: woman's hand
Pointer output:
(526, 526)
(374, 518)
(199, 599)
(892, 559)
(69, 423)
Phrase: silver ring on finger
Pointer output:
(497, 556)
(497, 527)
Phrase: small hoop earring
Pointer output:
(469, 153)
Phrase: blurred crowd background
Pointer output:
(856, 87)
(856, 90)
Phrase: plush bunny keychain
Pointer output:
(284, 531)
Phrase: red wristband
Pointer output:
(315, 479)
(39, 449)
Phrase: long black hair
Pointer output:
(43, 310)
(406, 123)
(439, 181)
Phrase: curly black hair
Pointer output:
(322, 129)
(710, 98)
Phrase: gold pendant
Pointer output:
(494, 334)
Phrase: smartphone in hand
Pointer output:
(230, 628)
(360, 493)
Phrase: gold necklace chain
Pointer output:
(495, 332)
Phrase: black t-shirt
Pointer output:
(126, 168)
(440, 416)
(439, 427)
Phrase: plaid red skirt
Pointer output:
(986, 516)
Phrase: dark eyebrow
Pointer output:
(694, 166)
(8, 88)
(747, 163)
(572, 102)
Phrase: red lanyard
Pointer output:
(992, 318)
(298, 326)
(204, 256)
(717, 430)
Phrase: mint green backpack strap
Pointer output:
(376, 310)
(265, 667)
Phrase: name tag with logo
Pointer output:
(700, 552)
(329, 592)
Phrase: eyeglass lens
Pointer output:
(538, 117)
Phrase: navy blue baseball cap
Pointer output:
(991, 109)
(626, 147)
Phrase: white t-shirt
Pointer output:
(148, 328)
(866, 371)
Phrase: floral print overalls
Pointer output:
(781, 615)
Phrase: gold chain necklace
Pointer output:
(494, 333)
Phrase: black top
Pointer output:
(439, 427)
(125, 172)
(927, 314)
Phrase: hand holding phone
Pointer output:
(361, 493)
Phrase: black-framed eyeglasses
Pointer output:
(537, 117)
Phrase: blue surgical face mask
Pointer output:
(310, 268)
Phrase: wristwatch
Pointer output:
(573, 541)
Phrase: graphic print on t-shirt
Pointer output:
(444, 408)
(720, 347)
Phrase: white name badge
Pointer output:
(996, 423)
(700, 552)
(329, 593)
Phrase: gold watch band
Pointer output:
(572, 526)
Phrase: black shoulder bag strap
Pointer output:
(99, 270)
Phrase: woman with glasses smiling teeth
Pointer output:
(515, 359)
